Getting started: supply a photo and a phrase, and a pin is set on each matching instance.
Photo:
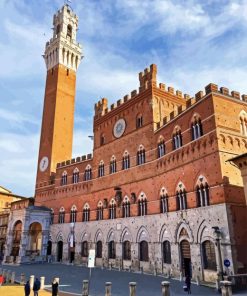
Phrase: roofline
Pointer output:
(15, 195)
(238, 157)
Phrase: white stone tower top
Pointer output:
(63, 48)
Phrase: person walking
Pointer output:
(1, 280)
(54, 287)
(27, 289)
(36, 287)
(188, 283)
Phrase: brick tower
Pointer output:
(62, 57)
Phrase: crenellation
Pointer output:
(119, 102)
(101, 106)
(171, 90)
(113, 106)
(179, 93)
(68, 162)
(211, 87)
(133, 93)
(235, 94)
(63, 163)
(89, 156)
(162, 86)
(148, 78)
(199, 95)
(126, 98)
(84, 157)
(186, 96)
(78, 159)
(72, 160)
(224, 91)
(244, 98)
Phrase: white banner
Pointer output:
(91, 258)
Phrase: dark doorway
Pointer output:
(185, 258)
(59, 251)
(49, 248)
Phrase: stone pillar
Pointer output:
(42, 282)
(31, 281)
(132, 286)
(12, 277)
(22, 279)
(226, 288)
(165, 288)
(108, 288)
(85, 288)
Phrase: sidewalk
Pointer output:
(19, 291)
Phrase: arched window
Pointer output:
(69, 31)
(111, 250)
(58, 29)
(101, 169)
(64, 178)
(163, 201)
(177, 139)
(243, 122)
(126, 250)
(126, 207)
(88, 173)
(113, 165)
(181, 198)
(86, 213)
(73, 214)
(161, 148)
(100, 211)
(142, 205)
(144, 251)
(139, 121)
(202, 194)
(99, 249)
(166, 250)
(112, 209)
(126, 161)
(84, 249)
(61, 216)
(52, 217)
(196, 128)
(208, 252)
(75, 176)
(141, 155)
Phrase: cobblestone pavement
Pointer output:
(71, 278)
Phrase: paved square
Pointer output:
(71, 278)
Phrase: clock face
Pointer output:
(43, 165)
(119, 128)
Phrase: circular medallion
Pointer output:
(43, 165)
(119, 128)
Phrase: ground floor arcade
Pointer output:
(176, 243)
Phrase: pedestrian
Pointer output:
(54, 287)
(36, 287)
(1, 280)
(27, 289)
(188, 283)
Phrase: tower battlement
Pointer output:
(63, 48)
(148, 77)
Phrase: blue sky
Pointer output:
(192, 43)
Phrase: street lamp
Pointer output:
(218, 233)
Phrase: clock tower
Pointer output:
(62, 57)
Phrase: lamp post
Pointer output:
(218, 234)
